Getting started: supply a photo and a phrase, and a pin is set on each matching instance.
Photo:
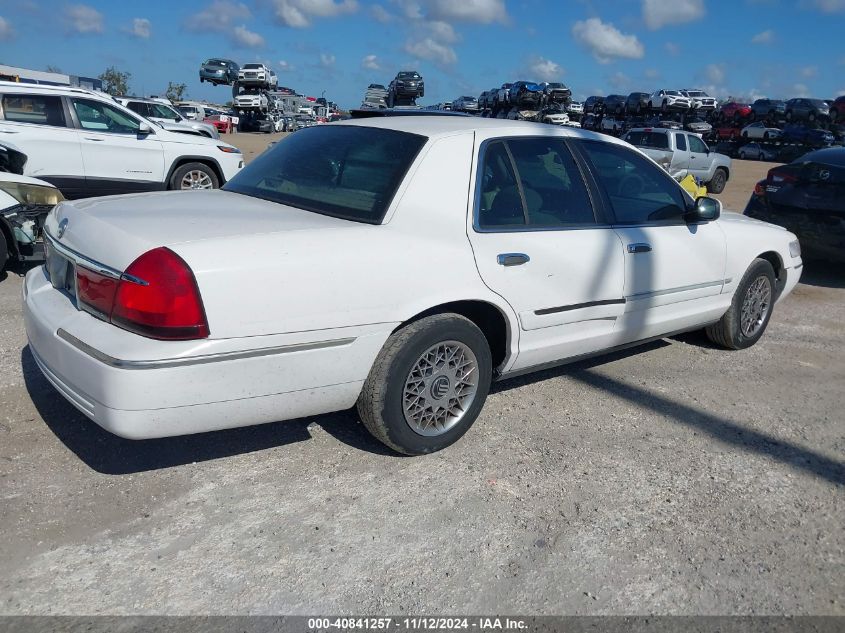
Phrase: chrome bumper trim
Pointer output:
(118, 363)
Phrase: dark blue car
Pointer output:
(796, 133)
(526, 94)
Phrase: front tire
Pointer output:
(194, 176)
(717, 185)
(427, 385)
(751, 308)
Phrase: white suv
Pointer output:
(167, 116)
(87, 144)
(669, 100)
(257, 75)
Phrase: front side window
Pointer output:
(534, 183)
(38, 109)
(101, 117)
(347, 172)
(639, 192)
(696, 145)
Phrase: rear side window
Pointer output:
(639, 191)
(534, 183)
(652, 140)
(38, 109)
(344, 171)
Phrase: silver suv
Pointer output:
(167, 116)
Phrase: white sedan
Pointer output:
(400, 263)
(759, 130)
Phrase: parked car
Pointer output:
(666, 100)
(575, 107)
(219, 71)
(408, 85)
(555, 92)
(615, 104)
(768, 109)
(554, 116)
(807, 197)
(657, 121)
(734, 111)
(374, 101)
(811, 110)
(482, 100)
(637, 102)
(502, 97)
(612, 125)
(24, 205)
(759, 130)
(837, 109)
(797, 133)
(166, 338)
(525, 95)
(727, 131)
(221, 122)
(590, 122)
(167, 116)
(698, 125)
(87, 144)
(256, 74)
(251, 101)
(699, 100)
(682, 153)
(465, 104)
(192, 110)
(594, 105)
(756, 151)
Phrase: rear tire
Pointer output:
(717, 184)
(397, 400)
(4, 251)
(751, 308)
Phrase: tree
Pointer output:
(175, 92)
(115, 82)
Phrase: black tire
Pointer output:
(4, 251)
(742, 155)
(727, 332)
(720, 179)
(180, 172)
(380, 403)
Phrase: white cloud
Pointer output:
(605, 41)
(800, 90)
(651, 73)
(830, 6)
(429, 49)
(299, 14)
(619, 80)
(659, 13)
(327, 61)
(380, 14)
(141, 28)
(245, 38)
(370, 62)
(6, 30)
(286, 66)
(715, 73)
(479, 11)
(219, 16)
(83, 19)
(808, 72)
(442, 32)
(544, 69)
(764, 37)
(673, 49)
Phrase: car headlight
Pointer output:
(795, 249)
(228, 149)
(33, 195)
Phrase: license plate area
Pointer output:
(60, 270)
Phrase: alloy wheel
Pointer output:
(756, 305)
(196, 179)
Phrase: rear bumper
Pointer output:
(139, 388)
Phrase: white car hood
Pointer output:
(115, 230)
(27, 180)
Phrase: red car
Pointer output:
(222, 123)
(837, 109)
(727, 132)
(734, 110)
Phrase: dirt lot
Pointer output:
(674, 478)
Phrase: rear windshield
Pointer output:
(653, 140)
(344, 171)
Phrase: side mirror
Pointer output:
(144, 128)
(704, 210)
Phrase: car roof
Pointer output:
(440, 126)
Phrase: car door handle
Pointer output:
(639, 247)
(91, 138)
(513, 259)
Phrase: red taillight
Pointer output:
(164, 302)
(778, 175)
(95, 291)
(760, 188)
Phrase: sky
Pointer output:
(740, 48)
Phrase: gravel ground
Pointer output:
(671, 479)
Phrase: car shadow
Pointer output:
(112, 455)
(823, 274)
(689, 415)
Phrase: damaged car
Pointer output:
(24, 205)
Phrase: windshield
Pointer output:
(161, 111)
(215, 62)
(409, 76)
(696, 93)
(653, 140)
(818, 103)
(673, 93)
(251, 66)
(344, 171)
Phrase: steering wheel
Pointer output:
(631, 186)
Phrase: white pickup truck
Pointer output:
(681, 153)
